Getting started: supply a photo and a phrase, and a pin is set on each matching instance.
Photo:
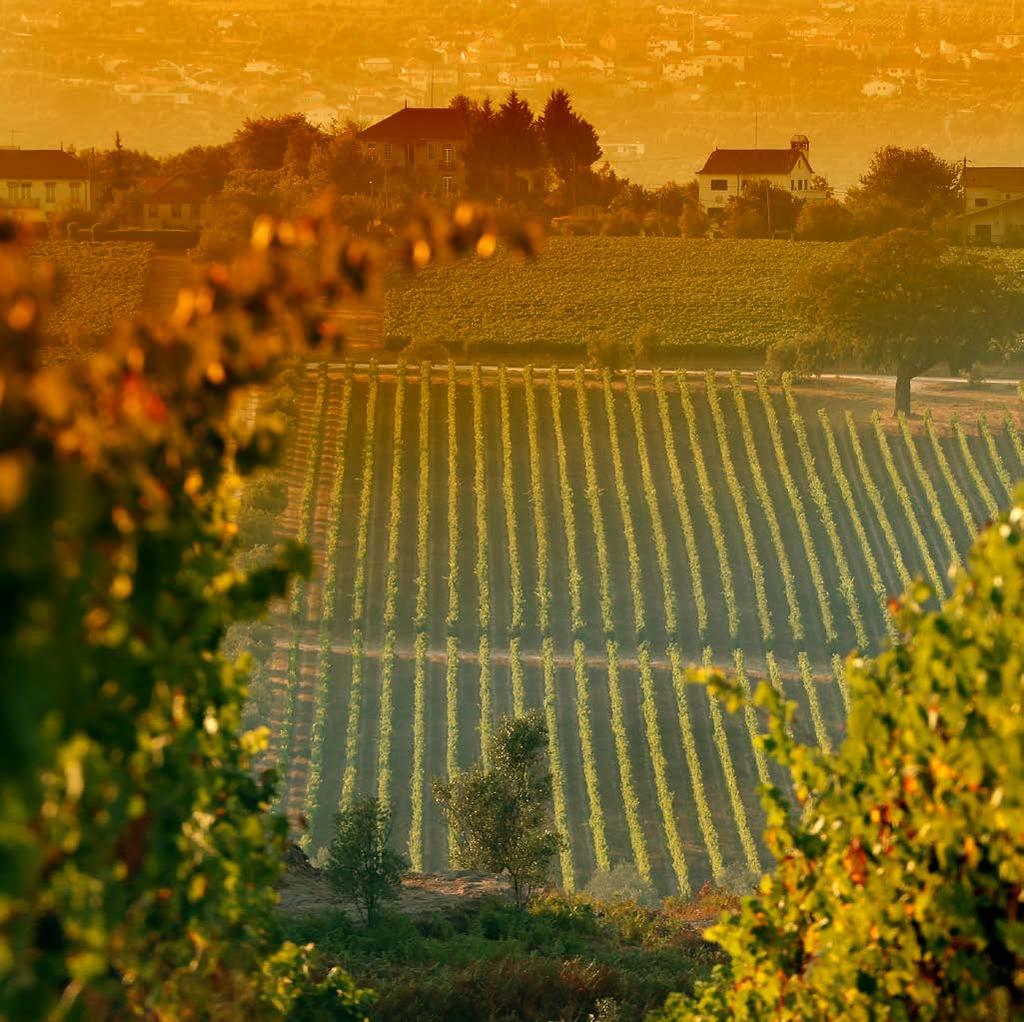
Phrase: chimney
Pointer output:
(800, 143)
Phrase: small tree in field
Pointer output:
(903, 303)
(500, 816)
(361, 865)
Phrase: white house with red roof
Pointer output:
(426, 143)
(993, 204)
(37, 183)
(726, 171)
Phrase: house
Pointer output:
(993, 204)
(177, 200)
(36, 183)
(424, 143)
(726, 171)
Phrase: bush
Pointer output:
(825, 221)
(896, 893)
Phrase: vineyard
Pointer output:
(100, 284)
(689, 291)
(574, 540)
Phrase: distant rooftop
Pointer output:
(752, 161)
(1002, 179)
(33, 164)
(412, 124)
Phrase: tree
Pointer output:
(896, 893)
(905, 188)
(499, 816)
(571, 141)
(760, 211)
(270, 143)
(825, 221)
(904, 302)
(361, 865)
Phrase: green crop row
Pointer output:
(739, 811)
(768, 506)
(740, 504)
(839, 473)
(930, 495)
(544, 617)
(750, 717)
(995, 457)
(482, 562)
(682, 507)
(306, 504)
(630, 801)
(387, 674)
(813, 703)
(509, 495)
(846, 583)
(668, 595)
(875, 496)
(707, 825)
(590, 774)
(947, 473)
(359, 595)
(796, 502)
(991, 505)
(708, 500)
(419, 684)
(1015, 438)
(652, 729)
(905, 500)
(327, 600)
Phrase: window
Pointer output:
(447, 184)
(792, 185)
(195, 211)
(175, 211)
(719, 184)
(983, 234)
(76, 192)
(51, 191)
(26, 189)
(447, 154)
(430, 150)
(387, 152)
(980, 203)
(12, 191)
(371, 151)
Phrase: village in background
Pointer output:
(662, 83)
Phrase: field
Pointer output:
(690, 292)
(572, 540)
(100, 284)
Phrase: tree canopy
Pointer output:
(904, 302)
(897, 889)
(499, 815)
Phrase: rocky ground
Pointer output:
(304, 889)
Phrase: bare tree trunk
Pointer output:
(902, 392)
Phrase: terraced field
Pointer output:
(572, 540)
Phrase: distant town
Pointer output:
(662, 85)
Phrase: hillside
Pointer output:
(713, 294)
(488, 542)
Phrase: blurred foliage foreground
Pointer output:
(137, 855)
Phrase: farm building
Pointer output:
(726, 171)
(993, 204)
(36, 183)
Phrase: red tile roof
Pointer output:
(1003, 179)
(174, 189)
(751, 161)
(35, 164)
(417, 124)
